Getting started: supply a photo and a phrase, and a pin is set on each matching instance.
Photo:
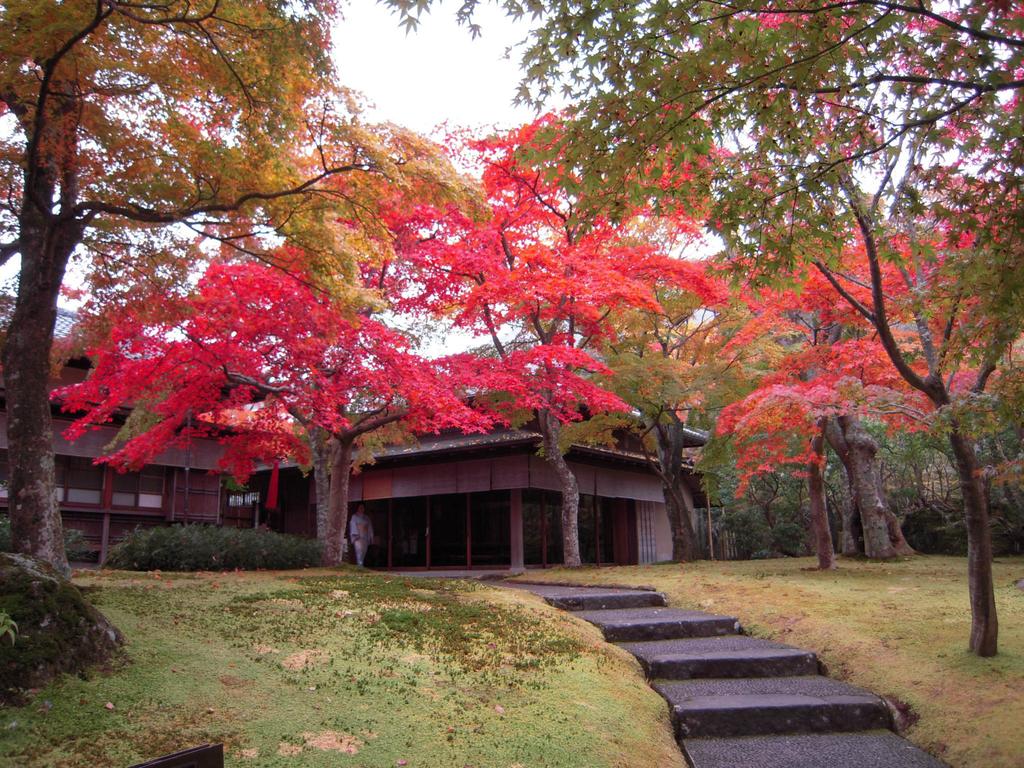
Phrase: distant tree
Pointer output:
(832, 353)
(134, 131)
(830, 376)
(272, 368)
(676, 365)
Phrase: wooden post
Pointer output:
(108, 500)
(427, 537)
(711, 538)
(188, 466)
(515, 519)
(105, 536)
(469, 531)
(390, 531)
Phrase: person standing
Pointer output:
(360, 531)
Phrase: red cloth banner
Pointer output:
(275, 476)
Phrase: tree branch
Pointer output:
(154, 216)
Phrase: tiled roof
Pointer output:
(66, 320)
(62, 327)
(448, 443)
(435, 443)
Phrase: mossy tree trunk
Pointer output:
(820, 530)
(551, 429)
(670, 467)
(877, 529)
(337, 513)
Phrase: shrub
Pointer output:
(75, 544)
(755, 540)
(210, 548)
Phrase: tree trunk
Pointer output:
(684, 538)
(883, 538)
(820, 530)
(851, 537)
(984, 624)
(36, 527)
(872, 509)
(550, 429)
(670, 460)
(337, 513)
(320, 443)
(892, 524)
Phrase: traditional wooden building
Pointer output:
(489, 501)
(448, 501)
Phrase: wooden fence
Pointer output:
(722, 542)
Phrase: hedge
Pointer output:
(209, 548)
(75, 545)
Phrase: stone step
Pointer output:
(592, 598)
(633, 624)
(728, 656)
(872, 749)
(765, 706)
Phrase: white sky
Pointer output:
(438, 74)
(435, 74)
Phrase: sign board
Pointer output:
(208, 756)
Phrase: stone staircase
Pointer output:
(739, 701)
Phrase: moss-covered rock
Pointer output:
(58, 630)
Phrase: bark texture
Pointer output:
(550, 430)
(680, 518)
(984, 624)
(877, 532)
(36, 527)
(851, 537)
(671, 440)
(851, 540)
(820, 530)
(337, 513)
(322, 480)
(861, 453)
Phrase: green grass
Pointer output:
(898, 628)
(328, 668)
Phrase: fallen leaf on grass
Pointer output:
(302, 659)
(333, 741)
(230, 681)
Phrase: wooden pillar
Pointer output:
(516, 522)
(469, 531)
(391, 529)
(105, 537)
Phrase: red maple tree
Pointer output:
(834, 374)
(273, 368)
(537, 281)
